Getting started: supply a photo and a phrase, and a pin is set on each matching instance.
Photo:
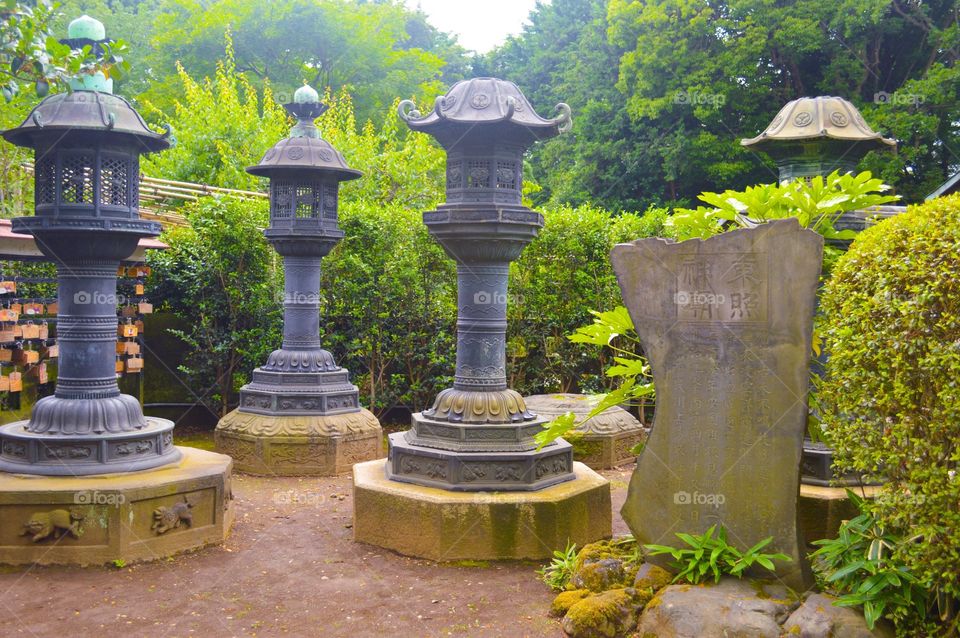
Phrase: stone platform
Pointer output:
(138, 516)
(821, 510)
(444, 525)
(307, 445)
(603, 442)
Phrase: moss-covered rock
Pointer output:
(608, 615)
(565, 600)
(651, 578)
(608, 564)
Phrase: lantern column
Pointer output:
(301, 415)
(158, 499)
(478, 437)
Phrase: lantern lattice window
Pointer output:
(46, 172)
(507, 175)
(76, 179)
(478, 174)
(114, 181)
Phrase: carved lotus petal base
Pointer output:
(299, 445)
(493, 406)
(300, 361)
(25, 452)
(57, 415)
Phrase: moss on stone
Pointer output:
(652, 578)
(607, 615)
(565, 600)
(606, 564)
(584, 450)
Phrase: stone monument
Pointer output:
(108, 483)
(479, 435)
(603, 442)
(301, 415)
(727, 324)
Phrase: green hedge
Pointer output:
(389, 299)
(891, 399)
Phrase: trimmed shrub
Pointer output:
(891, 399)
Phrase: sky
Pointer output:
(479, 25)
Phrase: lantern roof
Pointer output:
(91, 111)
(484, 102)
(304, 149)
(822, 117)
(86, 28)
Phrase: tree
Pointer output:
(378, 51)
(663, 90)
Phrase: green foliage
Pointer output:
(861, 566)
(377, 51)
(389, 306)
(613, 330)
(816, 204)
(708, 555)
(221, 126)
(222, 278)
(890, 402)
(663, 90)
(30, 51)
(558, 572)
(400, 167)
(555, 281)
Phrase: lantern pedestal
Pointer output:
(130, 517)
(306, 445)
(444, 525)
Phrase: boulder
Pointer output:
(565, 600)
(730, 609)
(818, 617)
(608, 615)
(605, 565)
(651, 578)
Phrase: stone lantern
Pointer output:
(810, 137)
(478, 435)
(300, 414)
(87, 144)
(814, 136)
(158, 499)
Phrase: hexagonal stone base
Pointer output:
(299, 445)
(603, 442)
(138, 516)
(475, 471)
(442, 525)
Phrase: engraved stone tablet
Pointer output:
(727, 324)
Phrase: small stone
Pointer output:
(651, 578)
(818, 617)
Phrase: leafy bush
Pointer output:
(860, 566)
(891, 400)
(223, 279)
(558, 572)
(708, 555)
(558, 278)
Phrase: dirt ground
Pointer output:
(290, 568)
